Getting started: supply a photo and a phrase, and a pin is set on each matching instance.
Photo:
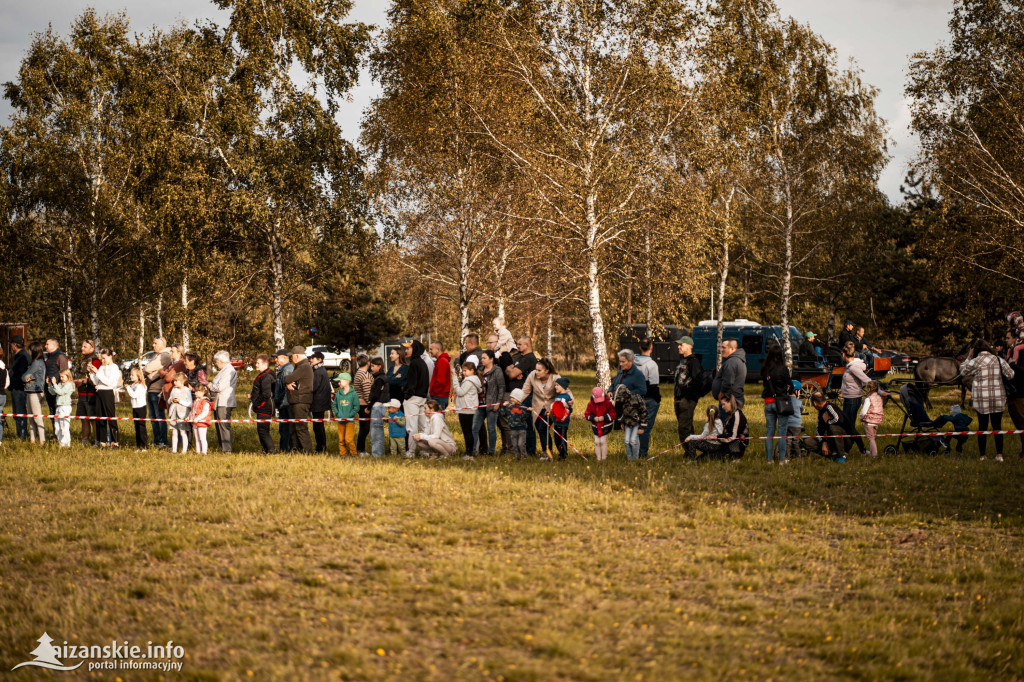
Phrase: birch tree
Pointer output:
(586, 66)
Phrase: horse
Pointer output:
(942, 370)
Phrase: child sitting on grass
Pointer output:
(561, 410)
(62, 388)
(136, 390)
(200, 417)
(396, 428)
(179, 407)
(600, 413)
(959, 422)
(518, 419)
(872, 414)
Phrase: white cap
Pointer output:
(517, 394)
(395, 404)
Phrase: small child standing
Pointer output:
(795, 425)
(396, 428)
(601, 415)
(136, 389)
(179, 407)
(872, 414)
(518, 419)
(561, 409)
(200, 417)
(959, 421)
(63, 390)
(346, 407)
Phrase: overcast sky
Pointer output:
(879, 34)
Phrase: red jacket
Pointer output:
(604, 409)
(441, 382)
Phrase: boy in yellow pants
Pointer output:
(346, 406)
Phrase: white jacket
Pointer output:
(107, 377)
(222, 388)
(467, 394)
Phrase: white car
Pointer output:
(126, 365)
(332, 356)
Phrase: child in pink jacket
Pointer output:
(872, 413)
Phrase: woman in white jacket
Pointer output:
(437, 439)
(106, 378)
(467, 400)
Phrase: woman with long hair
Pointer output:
(777, 406)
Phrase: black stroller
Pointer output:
(911, 404)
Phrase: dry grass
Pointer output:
(309, 567)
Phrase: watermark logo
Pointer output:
(117, 656)
(46, 656)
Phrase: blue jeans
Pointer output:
(443, 402)
(3, 401)
(851, 406)
(377, 413)
(652, 413)
(491, 417)
(776, 425)
(531, 435)
(632, 437)
(20, 407)
(156, 412)
(284, 431)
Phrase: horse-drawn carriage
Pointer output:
(828, 375)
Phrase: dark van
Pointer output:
(665, 353)
(752, 337)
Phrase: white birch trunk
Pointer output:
(787, 270)
(464, 296)
(70, 325)
(276, 285)
(603, 371)
(723, 276)
(142, 330)
(184, 313)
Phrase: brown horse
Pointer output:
(943, 371)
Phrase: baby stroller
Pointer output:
(911, 404)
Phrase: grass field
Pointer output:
(311, 567)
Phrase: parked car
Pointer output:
(333, 358)
(141, 361)
(752, 337)
(666, 350)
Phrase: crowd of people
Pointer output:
(502, 393)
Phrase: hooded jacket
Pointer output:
(417, 381)
(441, 382)
(731, 377)
(854, 379)
(321, 390)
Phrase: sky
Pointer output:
(879, 35)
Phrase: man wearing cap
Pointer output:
(649, 367)
(687, 387)
(847, 335)
(284, 410)
(417, 385)
(807, 353)
(321, 399)
(300, 397)
(19, 366)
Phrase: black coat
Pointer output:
(321, 390)
(777, 382)
(417, 381)
(380, 391)
(18, 368)
(688, 378)
(262, 396)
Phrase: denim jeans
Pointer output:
(531, 435)
(3, 401)
(156, 412)
(776, 425)
(632, 439)
(20, 402)
(542, 432)
(851, 406)
(652, 413)
(443, 402)
(491, 417)
(377, 413)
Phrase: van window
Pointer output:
(752, 345)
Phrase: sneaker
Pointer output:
(999, 458)
(409, 455)
(364, 454)
(468, 458)
(840, 460)
(982, 458)
(545, 458)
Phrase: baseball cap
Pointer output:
(685, 339)
(281, 352)
(597, 394)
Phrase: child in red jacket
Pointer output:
(601, 415)
(200, 417)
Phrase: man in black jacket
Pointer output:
(847, 335)
(417, 386)
(19, 365)
(262, 401)
(284, 410)
(687, 389)
(300, 397)
(321, 399)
